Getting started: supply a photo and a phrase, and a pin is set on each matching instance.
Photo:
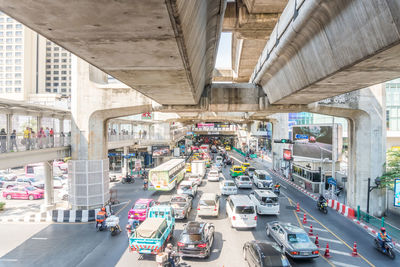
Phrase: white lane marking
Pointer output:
(328, 239)
(39, 238)
(316, 228)
(343, 264)
(9, 260)
(337, 252)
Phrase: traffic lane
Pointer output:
(339, 225)
(286, 215)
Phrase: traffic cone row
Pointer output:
(354, 253)
(316, 241)
(305, 219)
(327, 254)
(310, 233)
(298, 207)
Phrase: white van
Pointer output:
(262, 179)
(208, 205)
(241, 211)
(266, 202)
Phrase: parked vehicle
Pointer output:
(266, 202)
(196, 240)
(293, 239)
(236, 171)
(388, 247)
(250, 171)
(182, 205)
(264, 254)
(208, 205)
(213, 176)
(241, 211)
(262, 179)
(151, 236)
(243, 182)
(128, 179)
(228, 187)
(23, 192)
(31, 181)
(188, 188)
(141, 208)
(10, 184)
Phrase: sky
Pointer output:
(224, 51)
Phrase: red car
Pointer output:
(23, 192)
(312, 139)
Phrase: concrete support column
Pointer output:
(9, 129)
(39, 123)
(48, 185)
(125, 167)
(279, 131)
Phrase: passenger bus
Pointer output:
(167, 175)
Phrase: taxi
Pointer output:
(245, 165)
(228, 148)
(188, 167)
(236, 171)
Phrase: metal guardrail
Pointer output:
(239, 151)
(19, 143)
(393, 231)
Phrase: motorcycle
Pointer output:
(131, 226)
(323, 206)
(112, 223)
(277, 191)
(387, 248)
(162, 260)
(128, 180)
(100, 225)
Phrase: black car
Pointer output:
(196, 240)
(264, 254)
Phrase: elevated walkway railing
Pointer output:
(20, 143)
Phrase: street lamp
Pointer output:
(370, 188)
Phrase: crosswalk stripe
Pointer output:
(328, 239)
(344, 264)
(336, 252)
(316, 228)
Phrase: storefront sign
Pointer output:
(147, 116)
(199, 125)
(397, 192)
(287, 154)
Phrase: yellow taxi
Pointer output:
(188, 167)
(236, 171)
(227, 148)
(245, 165)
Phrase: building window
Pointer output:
(55, 90)
(9, 68)
(9, 34)
(48, 49)
(8, 82)
(63, 84)
(18, 89)
(48, 84)
(56, 48)
(18, 26)
(48, 67)
(18, 40)
(55, 84)
(56, 60)
(10, 20)
(64, 78)
(9, 61)
(18, 33)
(63, 72)
(48, 90)
(48, 55)
(18, 54)
(64, 90)
(55, 72)
(17, 82)
(64, 60)
(18, 61)
(64, 54)
(55, 78)
(18, 68)
(48, 78)
(9, 26)
(9, 54)
(9, 40)
(9, 47)
(64, 66)
(18, 47)
(1, 90)
(18, 75)
(48, 60)
(8, 90)
(8, 75)
(56, 54)
(48, 72)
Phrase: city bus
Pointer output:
(167, 175)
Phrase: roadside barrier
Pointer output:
(342, 209)
(316, 241)
(77, 215)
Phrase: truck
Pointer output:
(199, 167)
(157, 229)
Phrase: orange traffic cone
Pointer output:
(304, 219)
(327, 254)
(298, 207)
(355, 253)
(310, 233)
(316, 241)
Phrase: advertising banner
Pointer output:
(397, 192)
(161, 151)
(287, 154)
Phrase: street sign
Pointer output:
(301, 136)
(331, 181)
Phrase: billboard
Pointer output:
(317, 141)
(287, 154)
(160, 151)
(397, 192)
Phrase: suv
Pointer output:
(208, 205)
(196, 240)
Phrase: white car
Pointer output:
(195, 178)
(213, 176)
(208, 205)
(243, 181)
(219, 160)
(262, 179)
(187, 188)
(228, 187)
(266, 202)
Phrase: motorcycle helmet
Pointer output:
(383, 229)
(169, 245)
(103, 209)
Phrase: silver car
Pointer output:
(243, 182)
(182, 205)
(293, 239)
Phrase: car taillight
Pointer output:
(315, 252)
(255, 218)
(180, 244)
(294, 253)
(198, 207)
(233, 218)
(202, 245)
(215, 208)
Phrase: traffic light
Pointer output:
(283, 141)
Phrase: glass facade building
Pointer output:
(393, 105)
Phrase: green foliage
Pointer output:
(392, 169)
(2, 204)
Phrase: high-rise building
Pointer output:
(393, 114)
(30, 64)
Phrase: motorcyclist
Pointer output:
(132, 224)
(169, 250)
(277, 186)
(321, 200)
(101, 217)
(145, 183)
(383, 237)
(128, 178)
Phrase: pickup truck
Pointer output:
(157, 229)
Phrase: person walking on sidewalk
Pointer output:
(27, 138)
(13, 141)
(51, 133)
(3, 140)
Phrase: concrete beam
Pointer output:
(322, 48)
(164, 49)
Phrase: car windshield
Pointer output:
(140, 206)
(237, 169)
(245, 179)
(30, 188)
(32, 179)
(207, 202)
(178, 200)
(185, 187)
(213, 173)
(186, 238)
(244, 209)
(269, 199)
(229, 184)
(298, 238)
(262, 176)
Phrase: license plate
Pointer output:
(244, 219)
(136, 214)
(269, 205)
(146, 250)
(191, 246)
(304, 253)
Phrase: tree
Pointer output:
(392, 169)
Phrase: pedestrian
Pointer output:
(40, 137)
(13, 141)
(62, 136)
(27, 138)
(33, 139)
(47, 137)
(51, 133)
(3, 140)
